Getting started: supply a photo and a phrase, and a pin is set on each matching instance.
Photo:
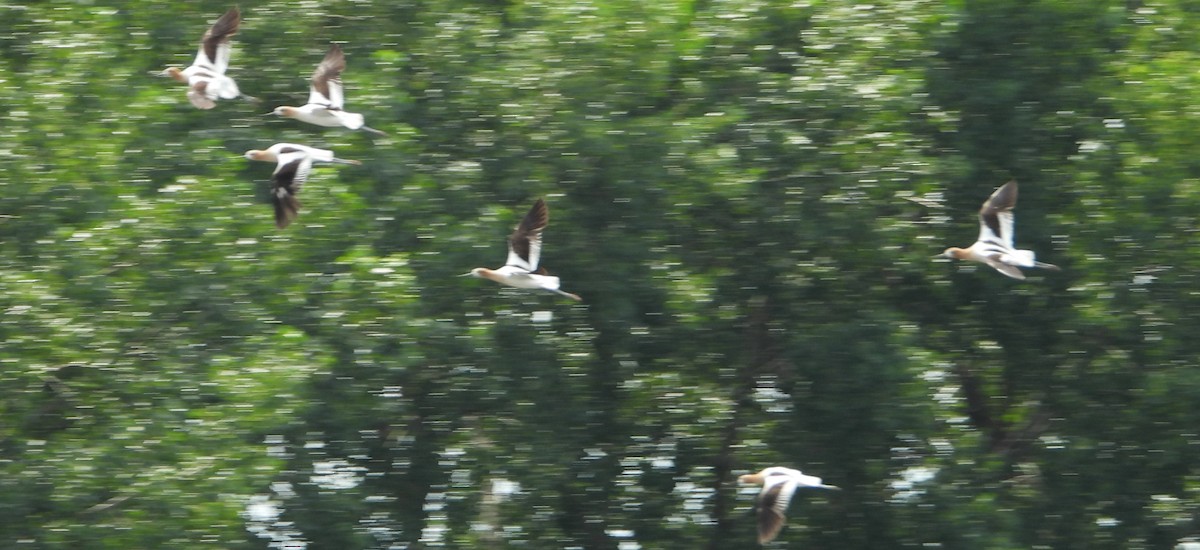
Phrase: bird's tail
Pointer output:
(551, 283)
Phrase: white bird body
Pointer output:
(293, 162)
(521, 270)
(321, 115)
(516, 277)
(326, 98)
(205, 77)
(778, 486)
(994, 246)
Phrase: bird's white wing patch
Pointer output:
(1006, 227)
(535, 252)
(317, 98)
(783, 494)
(203, 62)
(337, 97)
(299, 163)
(224, 51)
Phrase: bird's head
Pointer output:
(173, 73)
(756, 479)
(954, 253)
(286, 112)
(255, 154)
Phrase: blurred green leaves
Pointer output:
(746, 194)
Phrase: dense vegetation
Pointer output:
(747, 194)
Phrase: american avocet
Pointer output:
(206, 78)
(995, 244)
(524, 249)
(778, 486)
(292, 164)
(325, 97)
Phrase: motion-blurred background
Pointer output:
(746, 193)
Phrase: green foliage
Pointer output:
(747, 196)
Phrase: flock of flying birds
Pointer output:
(207, 82)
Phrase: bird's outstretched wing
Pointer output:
(772, 506)
(327, 80)
(289, 177)
(525, 243)
(996, 216)
(214, 46)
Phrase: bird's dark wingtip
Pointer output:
(286, 210)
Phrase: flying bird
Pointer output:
(995, 244)
(292, 165)
(326, 99)
(524, 250)
(778, 486)
(206, 78)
